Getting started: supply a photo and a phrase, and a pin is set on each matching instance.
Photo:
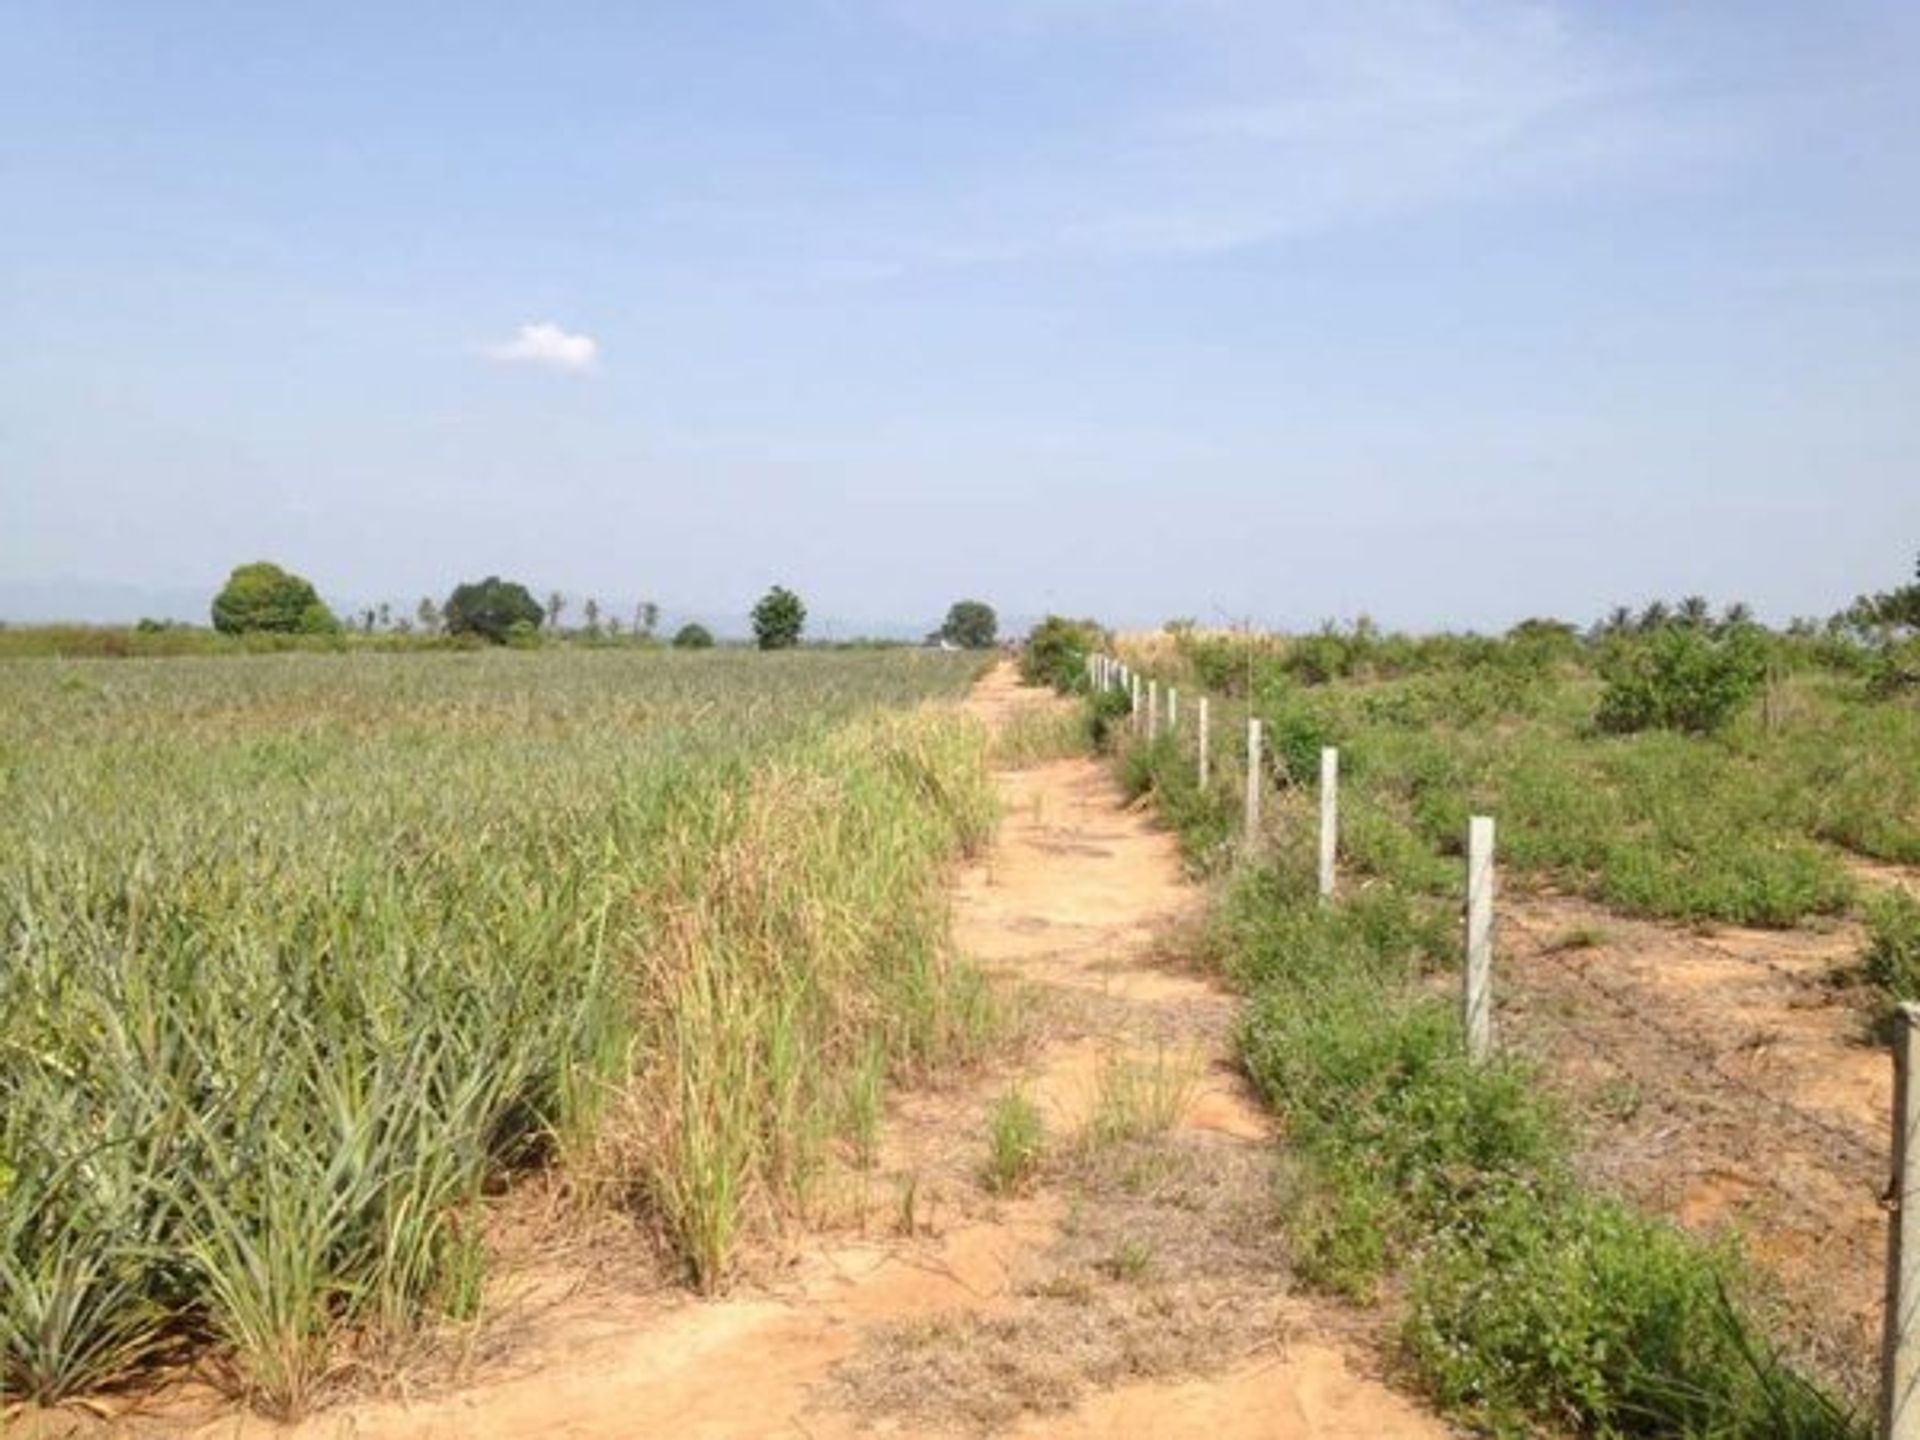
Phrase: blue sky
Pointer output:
(1447, 312)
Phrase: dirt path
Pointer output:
(1131, 1287)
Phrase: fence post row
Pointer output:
(1329, 818)
(1477, 991)
(1252, 823)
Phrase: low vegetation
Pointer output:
(304, 954)
(1526, 1301)
(1016, 1143)
(1673, 774)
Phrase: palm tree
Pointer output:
(1695, 613)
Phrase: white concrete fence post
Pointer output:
(1477, 992)
(1251, 826)
(1204, 758)
(1133, 700)
(1900, 1343)
(1329, 819)
(1153, 710)
(1173, 710)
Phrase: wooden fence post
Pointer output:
(1477, 992)
(1329, 819)
(1900, 1345)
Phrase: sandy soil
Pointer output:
(1135, 1287)
(1728, 1079)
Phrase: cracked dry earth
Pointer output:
(1132, 1287)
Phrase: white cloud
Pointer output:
(544, 343)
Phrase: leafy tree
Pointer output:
(693, 637)
(263, 597)
(971, 624)
(428, 614)
(779, 619)
(493, 608)
(646, 618)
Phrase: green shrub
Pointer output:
(1057, 650)
(1679, 679)
(1584, 1315)
(693, 637)
(1892, 957)
(1108, 714)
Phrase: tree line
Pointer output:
(265, 598)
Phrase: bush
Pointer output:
(971, 624)
(1588, 1316)
(779, 619)
(693, 637)
(494, 609)
(1892, 958)
(262, 597)
(1680, 679)
(1057, 650)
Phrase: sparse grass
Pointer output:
(1130, 1261)
(1577, 937)
(1016, 1142)
(1035, 733)
(1137, 1098)
(303, 952)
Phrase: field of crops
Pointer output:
(303, 953)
